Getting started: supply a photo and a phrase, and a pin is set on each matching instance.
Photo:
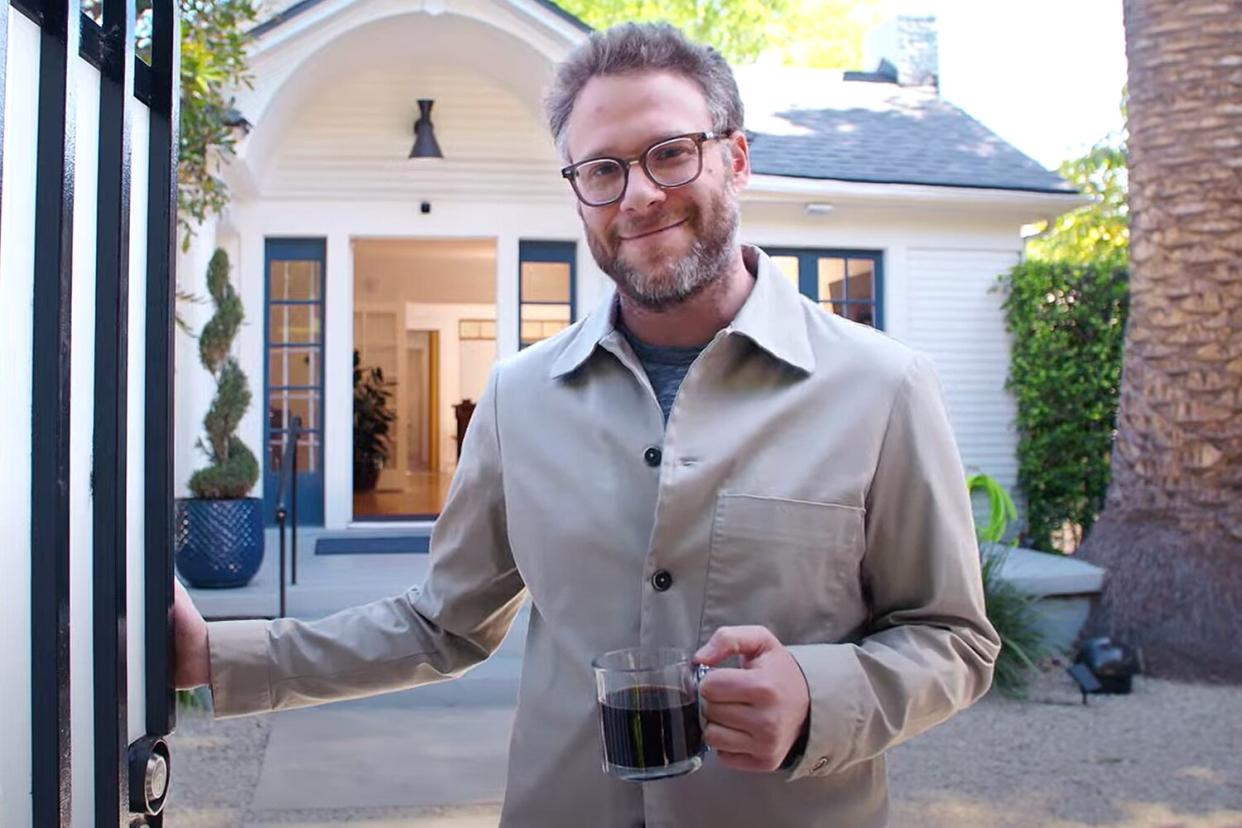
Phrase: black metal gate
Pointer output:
(87, 251)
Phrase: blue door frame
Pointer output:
(297, 350)
(808, 274)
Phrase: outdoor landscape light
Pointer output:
(1104, 666)
(425, 143)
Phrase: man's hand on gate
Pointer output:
(754, 714)
(191, 662)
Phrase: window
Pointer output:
(845, 282)
(545, 289)
(476, 329)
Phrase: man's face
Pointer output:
(659, 246)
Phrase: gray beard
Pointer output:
(705, 263)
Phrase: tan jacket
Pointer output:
(807, 480)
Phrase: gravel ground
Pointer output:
(215, 767)
(1167, 756)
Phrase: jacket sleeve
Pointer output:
(929, 649)
(455, 620)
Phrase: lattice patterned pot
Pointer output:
(219, 543)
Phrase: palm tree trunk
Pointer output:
(1171, 532)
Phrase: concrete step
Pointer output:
(1064, 588)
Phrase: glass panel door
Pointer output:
(293, 377)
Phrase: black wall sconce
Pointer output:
(425, 143)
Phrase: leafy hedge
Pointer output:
(1067, 323)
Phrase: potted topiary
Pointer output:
(372, 419)
(219, 530)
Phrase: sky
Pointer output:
(1045, 75)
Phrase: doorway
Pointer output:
(425, 316)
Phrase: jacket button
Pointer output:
(820, 763)
(653, 456)
(662, 580)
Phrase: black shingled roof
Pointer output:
(902, 136)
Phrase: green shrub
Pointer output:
(1010, 611)
(1067, 323)
(233, 468)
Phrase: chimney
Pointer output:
(907, 43)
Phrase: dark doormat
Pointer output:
(391, 545)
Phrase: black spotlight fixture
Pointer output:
(1104, 665)
(425, 143)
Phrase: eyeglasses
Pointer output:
(673, 162)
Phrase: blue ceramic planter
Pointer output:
(219, 543)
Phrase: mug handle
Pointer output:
(700, 673)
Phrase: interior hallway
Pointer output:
(422, 499)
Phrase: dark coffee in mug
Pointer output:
(650, 728)
(649, 722)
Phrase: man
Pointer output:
(706, 461)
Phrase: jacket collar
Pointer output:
(772, 317)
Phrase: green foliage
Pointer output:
(233, 468)
(213, 60)
(1012, 614)
(373, 416)
(190, 700)
(227, 408)
(1067, 323)
(1010, 611)
(825, 34)
(218, 333)
(822, 33)
(227, 479)
(1100, 231)
(737, 28)
(1001, 508)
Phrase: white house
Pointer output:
(879, 198)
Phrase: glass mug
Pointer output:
(649, 713)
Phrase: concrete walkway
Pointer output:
(432, 757)
(444, 745)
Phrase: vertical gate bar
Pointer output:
(293, 493)
(111, 806)
(51, 341)
(4, 63)
(161, 275)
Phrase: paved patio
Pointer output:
(326, 583)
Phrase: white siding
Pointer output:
(21, 107)
(355, 135)
(82, 443)
(136, 425)
(955, 317)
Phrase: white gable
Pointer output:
(485, 63)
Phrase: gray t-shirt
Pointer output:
(666, 367)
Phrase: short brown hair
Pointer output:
(643, 47)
